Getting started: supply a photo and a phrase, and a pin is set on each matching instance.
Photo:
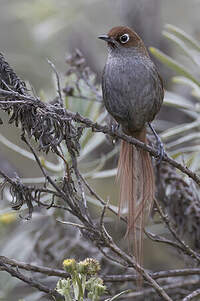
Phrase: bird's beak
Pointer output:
(105, 38)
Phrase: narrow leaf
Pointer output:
(175, 100)
(180, 129)
(105, 173)
(183, 35)
(118, 295)
(185, 81)
(192, 54)
(174, 65)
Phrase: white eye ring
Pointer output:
(124, 38)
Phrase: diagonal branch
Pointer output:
(132, 263)
(34, 268)
(107, 278)
(155, 275)
(62, 114)
(184, 246)
(30, 281)
(168, 287)
(192, 295)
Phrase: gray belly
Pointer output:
(132, 94)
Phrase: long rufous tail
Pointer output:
(137, 189)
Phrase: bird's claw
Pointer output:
(160, 146)
(160, 151)
(115, 127)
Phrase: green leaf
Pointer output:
(174, 65)
(94, 141)
(185, 81)
(88, 133)
(118, 295)
(184, 139)
(174, 100)
(183, 35)
(98, 204)
(105, 173)
(180, 129)
(97, 164)
(195, 163)
(191, 53)
(185, 149)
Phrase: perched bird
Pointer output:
(133, 94)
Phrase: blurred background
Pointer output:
(32, 32)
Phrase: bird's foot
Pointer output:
(115, 127)
(159, 144)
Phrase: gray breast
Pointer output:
(132, 90)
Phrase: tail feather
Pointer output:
(137, 189)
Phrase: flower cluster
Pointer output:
(83, 281)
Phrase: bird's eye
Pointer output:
(124, 38)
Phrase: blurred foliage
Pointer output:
(7, 218)
(43, 240)
(46, 18)
(40, 29)
(182, 141)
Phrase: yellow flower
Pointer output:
(7, 218)
(69, 265)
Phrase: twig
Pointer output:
(79, 180)
(131, 262)
(112, 258)
(192, 295)
(186, 248)
(43, 170)
(103, 214)
(34, 268)
(175, 285)
(58, 83)
(75, 225)
(117, 134)
(156, 275)
(164, 240)
(66, 115)
(107, 278)
(30, 281)
(93, 193)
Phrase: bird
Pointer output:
(133, 93)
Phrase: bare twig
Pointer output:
(93, 193)
(192, 295)
(30, 281)
(156, 275)
(107, 278)
(164, 240)
(43, 170)
(168, 287)
(34, 268)
(79, 181)
(132, 263)
(103, 214)
(58, 83)
(66, 115)
(185, 247)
